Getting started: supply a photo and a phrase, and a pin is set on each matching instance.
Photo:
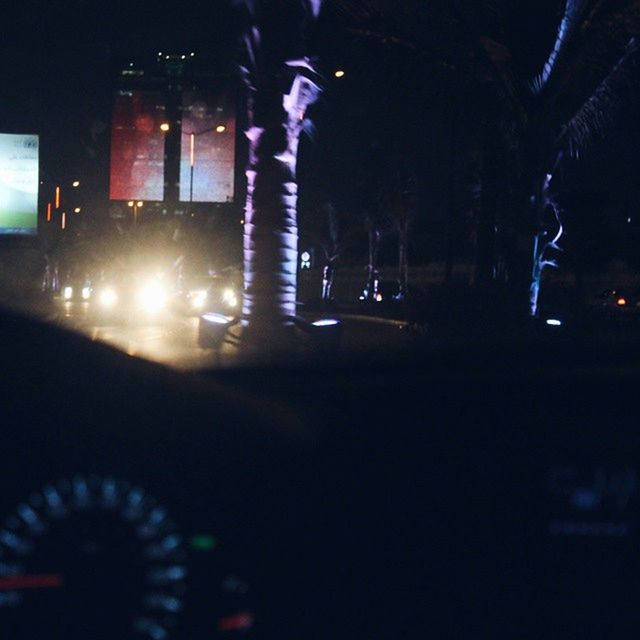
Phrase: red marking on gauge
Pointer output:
(41, 581)
(238, 622)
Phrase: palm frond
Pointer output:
(598, 111)
(574, 12)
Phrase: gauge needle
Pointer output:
(33, 581)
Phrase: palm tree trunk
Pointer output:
(271, 229)
(371, 288)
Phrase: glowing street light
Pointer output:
(339, 73)
(75, 183)
(77, 210)
(135, 205)
(221, 128)
(165, 127)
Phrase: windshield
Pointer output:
(319, 319)
(408, 185)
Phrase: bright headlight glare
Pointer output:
(67, 293)
(108, 297)
(152, 297)
(86, 293)
(198, 298)
(229, 296)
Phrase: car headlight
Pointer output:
(108, 297)
(67, 293)
(86, 293)
(229, 296)
(152, 297)
(198, 298)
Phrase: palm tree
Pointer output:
(530, 126)
(282, 83)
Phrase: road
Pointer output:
(171, 339)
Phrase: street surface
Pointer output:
(171, 339)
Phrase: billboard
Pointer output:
(137, 146)
(207, 157)
(18, 184)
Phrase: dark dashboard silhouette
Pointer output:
(467, 492)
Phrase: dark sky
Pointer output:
(58, 59)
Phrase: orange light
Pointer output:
(48, 212)
(621, 302)
(63, 222)
(57, 197)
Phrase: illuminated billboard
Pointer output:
(18, 184)
(137, 146)
(207, 158)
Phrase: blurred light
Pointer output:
(192, 54)
(165, 126)
(198, 298)
(152, 297)
(76, 210)
(229, 296)
(378, 297)
(238, 622)
(203, 543)
(130, 203)
(241, 221)
(326, 322)
(216, 318)
(57, 197)
(183, 57)
(108, 297)
(86, 293)
(552, 322)
(67, 293)
(221, 128)
(75, 183)
(306, 256)
(48, 212)
(621, 302)
(339, 73)
(63, 222)
(139, 203)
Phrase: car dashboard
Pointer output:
(490, 492)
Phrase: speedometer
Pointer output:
(93, 558)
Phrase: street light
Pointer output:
(165, 127)
(135, 206)
(75, 183)
(221, 128)
(339, 73)
(192, 160)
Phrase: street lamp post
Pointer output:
(192, 158)
(135, 205)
